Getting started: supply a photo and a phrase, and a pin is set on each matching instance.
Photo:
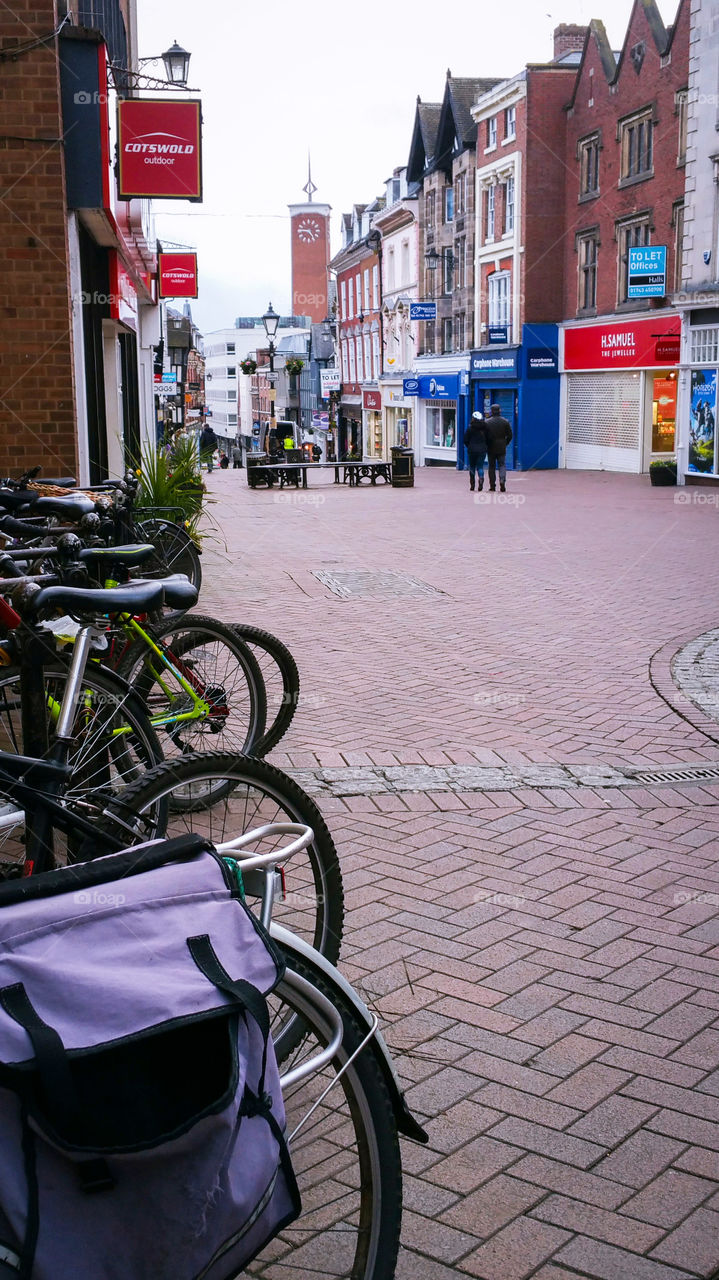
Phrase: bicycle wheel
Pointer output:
(344, 1145)
(113, 745)
(281, 679)
(220, 669)
(222, 796)
(175, 552)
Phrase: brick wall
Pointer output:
(548, 90)
(37, 402)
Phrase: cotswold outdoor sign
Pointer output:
(159, 148)
(630, 344)
(177, 274)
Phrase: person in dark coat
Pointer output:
(476, 445)
(498, 434)
(208, 444)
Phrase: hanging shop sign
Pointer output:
(177, 274)
(439, 388)
(631, 344)
(410, 387)
(423, 310)
(372, 400)
(497, 333)
(159, 147)
(123, 294)
(329, 381)
(647, 272)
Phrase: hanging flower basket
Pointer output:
(294, 366)
(248, 366)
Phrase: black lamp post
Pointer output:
(177, 65)
(271, 320)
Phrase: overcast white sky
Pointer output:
(279, 78)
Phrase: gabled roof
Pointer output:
(613, 64)
(460, 94)
(596, 34)
(656, 26)
(424, 139)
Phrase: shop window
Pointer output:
(630, 235)
(636, 140)
(510, 123)
(702, 422)
(499, 298)
(587, 248)
(664, 412)
(441, 431)
(589, 149)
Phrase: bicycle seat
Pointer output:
(72, 507)
(12, 499)
(179, 591)
(135, 553)
(88, 602)
(62, 482)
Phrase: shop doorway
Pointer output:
(130, 399)
(506, 398)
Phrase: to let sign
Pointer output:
(178, 275)
(647, 272)
(329, 381)
(159, 148)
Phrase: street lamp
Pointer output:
(271, 320)
(177, 64)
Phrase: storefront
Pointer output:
(372, 424)
(524, 382)
(350, 427)
(619, 393)
(397, 413)
(697, 451)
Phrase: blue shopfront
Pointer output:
(524, 382)
(442, 414)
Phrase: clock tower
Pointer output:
(310, 225)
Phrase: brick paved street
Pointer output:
(545, 958)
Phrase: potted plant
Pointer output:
(248, 365)
(294, 365)
(663, 471)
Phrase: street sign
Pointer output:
(423, 310)
(647, 272)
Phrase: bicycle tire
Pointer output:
(257, 794)
(114, 744)
(347, 1162)
(175, 551)
(229, 679)
(282, 663)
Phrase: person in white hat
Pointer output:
(476, 445)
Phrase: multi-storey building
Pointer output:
(397, 224)
(698, 299)
(519, 257)
(624, 192)
(358, 267)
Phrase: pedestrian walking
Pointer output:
(498, 434)
(476, 445)
(236, 452)
(208, 444)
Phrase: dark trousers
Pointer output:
(497, 462)
(476, 461)
(236, 464)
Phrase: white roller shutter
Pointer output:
(603, 421)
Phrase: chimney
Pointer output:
(568, 38)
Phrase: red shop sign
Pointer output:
(178, 275)
(123, 294)
(159, 147)
(371, 400)
(630, 344)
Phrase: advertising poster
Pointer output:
(702, 420)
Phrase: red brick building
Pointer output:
(624, 190)
(358, 268)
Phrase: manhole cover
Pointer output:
(374, 583)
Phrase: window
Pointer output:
(375, 287)
(360, 360)
(636, 139)
(351, 291)
(460, 194)
(589, 166)
(447, 334)
(232, 419)
(390, 268)
(447, 271)
(705, 346)
(351, 351)
(365, 280)
(630, 235)
(441, 427)
(678, 224)
(449, 204)
(429, 337)
(367, 342)
(460, 262)
(375, 354)
(230, 348)
(510, 123)
(499, 298)
(491, 132)
(358, 295)
(509, 206)
(345, 362)
(429, 209)
(459, 328)
(404, 270)
(681, 100)
(231, 395)
(232, 371)
(490, 214)
(343, 296)
(587, 245)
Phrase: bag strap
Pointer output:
(205, 957)
(50, 1057)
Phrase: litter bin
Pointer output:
(402, 468)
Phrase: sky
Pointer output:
(280, 80)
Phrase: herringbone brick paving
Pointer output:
(545, 961)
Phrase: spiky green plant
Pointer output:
(170, 477)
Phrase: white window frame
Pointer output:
(343, 300)
(365, 281)
(360, 359)
(509, 190)
(490, 213)
(232, 371)
(351, 298)
(510, 119)
(375, 287)
(499, 296)
(375, 355)
(230, 348)
(491, 134)
(352, 365)
(358, 291)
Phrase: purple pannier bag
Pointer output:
(141, 1117)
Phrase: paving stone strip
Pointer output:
(695, 669)
(393, 780)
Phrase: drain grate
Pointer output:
(374, 583)
(685, 773)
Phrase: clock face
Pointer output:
(308, 230)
